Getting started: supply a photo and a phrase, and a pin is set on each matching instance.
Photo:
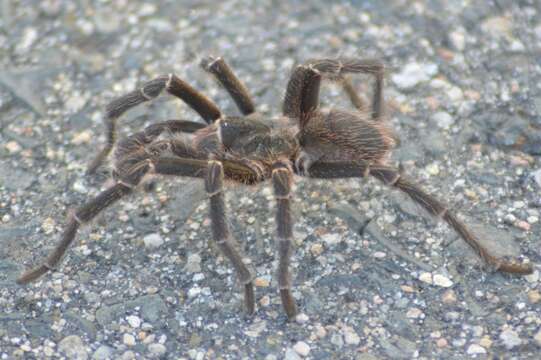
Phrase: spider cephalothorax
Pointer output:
(304, 140)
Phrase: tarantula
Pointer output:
(306, 140)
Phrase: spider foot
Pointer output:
(303, 163)
(207, 62)
(249, 298)
(288, 302)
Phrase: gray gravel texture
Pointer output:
(142, 280)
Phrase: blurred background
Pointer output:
(142, 281)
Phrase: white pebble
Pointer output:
(153, 240)
(351, 337)
(13, 147)
(433, 169)
(193, 292)
(510, 338)
(128, 339)
(443, 119)
(158, 349)
(73, 347)
(302, 318)
(442, 281)
(458, 39)
(193, 264)
(413, 74)
(537, 176)
(533, 277)
(134, 321)
(426, 277)
(414, 313)
(291, 354)
(302, 348)
(537, 338)
(331, 239)
(476, 349)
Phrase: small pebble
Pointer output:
(291, 354)
(337, 340)
(128, 355)
(537, 338)
(475, 349)
(128, 339)
(523, 225)
(415, 313)
(134, 321)
(533, 277)
(157, 349)
(443, 120)
(534, 296)
(153, 240)
(413, 74)
(302, 348)
(407, 289)
(537, 177)
(48, 225)
(265, 300)
(351, 337)
(433, 169)
(103, 353)
(302, 318)
(510, 338)
(48, 351)
(261, 282)
(331, 239)
(193, 263)
(442, 281)
(73, 347)
(448, 297)
(12, 147)
(458, 39)
(194, 291)
(83, 137)
(486, 342)
(426, 277)
(320, 331)
(316, 249)
(441, 343)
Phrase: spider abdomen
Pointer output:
(335, 135)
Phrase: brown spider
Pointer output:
(249, 149)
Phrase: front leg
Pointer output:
(281, 181)
(221, 233)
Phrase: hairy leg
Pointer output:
(281, 181)
(225, 76)
(354, 97)
(126, 181)
(221, 233)
(302, 92)
(394, 178)
(150, 90)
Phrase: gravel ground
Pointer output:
(142, 281)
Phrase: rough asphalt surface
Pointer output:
(142, 280)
